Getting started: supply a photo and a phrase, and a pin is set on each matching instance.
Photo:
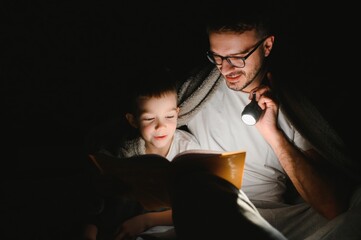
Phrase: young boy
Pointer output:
(153, 113)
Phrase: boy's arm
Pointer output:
(138, 224)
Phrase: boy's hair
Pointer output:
(152, 83)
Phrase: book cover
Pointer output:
(148, 176)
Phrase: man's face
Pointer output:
(231, 44)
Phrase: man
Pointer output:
(278, 154)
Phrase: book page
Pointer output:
(227, 165)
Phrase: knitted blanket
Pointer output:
(195, 91)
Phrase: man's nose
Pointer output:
(225, 66)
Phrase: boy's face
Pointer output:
(157, 121)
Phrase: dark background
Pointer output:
(64, 71)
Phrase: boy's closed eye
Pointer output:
(170, 116)
(148, 119)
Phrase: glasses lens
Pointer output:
(218, 60)
(236, 61)
(214, 59)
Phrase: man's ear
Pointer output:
(131, 120)
(268, 45)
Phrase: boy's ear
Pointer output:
(131, 120)
(177, 110)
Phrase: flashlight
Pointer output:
(252, 112)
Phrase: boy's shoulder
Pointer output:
(185, 140)
(181, 134)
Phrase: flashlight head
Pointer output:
(251, 113)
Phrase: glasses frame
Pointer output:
(210, 55)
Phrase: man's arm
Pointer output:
(322, 190)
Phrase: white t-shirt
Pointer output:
(182, 141)
(218, 126)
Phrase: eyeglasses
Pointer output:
(239, 62)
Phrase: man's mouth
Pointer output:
(232, 78)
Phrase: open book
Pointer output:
(148, 176)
